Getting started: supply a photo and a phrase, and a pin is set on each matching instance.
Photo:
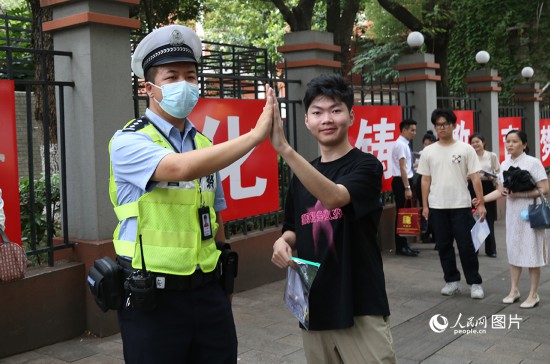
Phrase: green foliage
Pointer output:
(19, 36)
(9, 5)
(383, 27)
(248, 23)
(39, 208)
(155, 13)
(376, 61)
(505, 29)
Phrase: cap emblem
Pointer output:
(176, 38)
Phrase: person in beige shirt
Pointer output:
(445, 167)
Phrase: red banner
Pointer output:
(545, 142)
(251, 184)
(504, 126)
(9, 174)
(374, 130)
(464, 125)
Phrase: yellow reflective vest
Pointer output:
(167, 218)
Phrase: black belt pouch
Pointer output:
(106, 283)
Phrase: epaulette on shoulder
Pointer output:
(136, 125)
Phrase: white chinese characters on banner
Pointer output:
(251, 183)
(384, 136)
(464, 125)
(375, 133)
(233, 171)
(545, 142)
(462, 132)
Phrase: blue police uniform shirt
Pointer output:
(135, 157)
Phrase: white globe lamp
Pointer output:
(415, 40)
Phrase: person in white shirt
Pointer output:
(402, 171)
(445, 167)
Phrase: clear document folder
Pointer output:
(479, 232)
(298, 284)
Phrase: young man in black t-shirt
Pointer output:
(331, 217)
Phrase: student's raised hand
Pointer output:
(277, 136)
(265, 121)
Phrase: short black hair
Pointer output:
(448, 114)
(406, 123)
(331, 85)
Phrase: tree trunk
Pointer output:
(44, 95)
(340, 23)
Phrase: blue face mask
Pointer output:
(178, 98)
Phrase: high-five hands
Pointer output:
(265, 121)
(277, 136)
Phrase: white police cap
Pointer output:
(169, 44)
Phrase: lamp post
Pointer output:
(415, 40)
(482, 57)
(527, 73)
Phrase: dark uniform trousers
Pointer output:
(399, 195)
(186, 327)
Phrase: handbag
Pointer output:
(408, 221)
(13, 260)
(539, 215)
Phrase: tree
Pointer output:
(340, 19)
(254, 23)
(436, 23)
(155, 13)
(44, 70)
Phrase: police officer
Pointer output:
(164, 185)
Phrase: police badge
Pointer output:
(176, 38)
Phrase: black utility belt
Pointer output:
(176, 282)
(186, 283)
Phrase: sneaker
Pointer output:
(451, 288)
(477, 291)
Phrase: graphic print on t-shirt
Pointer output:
(320, 219)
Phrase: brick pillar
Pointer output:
(97, 32)
(307, 54)
(527, 95)
(417, 74)
(483, 84)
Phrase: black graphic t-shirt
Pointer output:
(350, 281)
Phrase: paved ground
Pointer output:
(268, 333)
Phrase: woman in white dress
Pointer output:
(526, 247)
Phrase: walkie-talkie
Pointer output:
(141, 286)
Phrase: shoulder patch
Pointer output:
(136, 125)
